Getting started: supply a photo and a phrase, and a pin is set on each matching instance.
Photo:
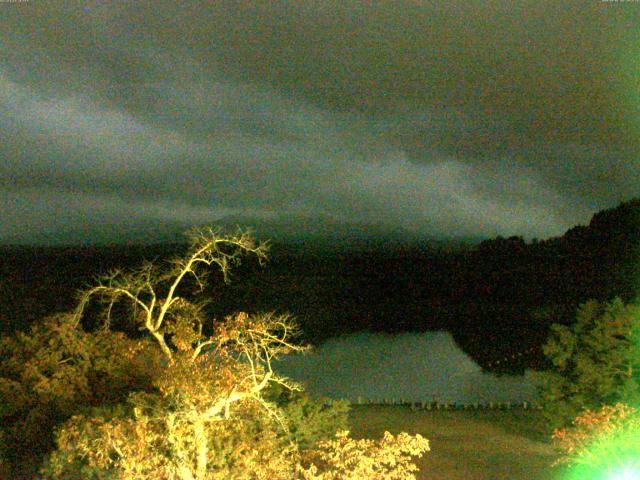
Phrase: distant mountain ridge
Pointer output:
(612, 230)
(316, 228)
(327, 233)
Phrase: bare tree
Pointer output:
(152, 292)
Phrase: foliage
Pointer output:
(596, 361)
(152, 438)
(207, 412)
(205, 421)
(313, 419)
(199, 399)
(602, 443)
(56, 369)
(206, 418)
(344, 458)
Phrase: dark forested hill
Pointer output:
(497, 298)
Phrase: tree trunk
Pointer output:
(201, 446)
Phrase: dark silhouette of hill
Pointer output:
(498, 298)
(520, 289)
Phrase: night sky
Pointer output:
(121, 120)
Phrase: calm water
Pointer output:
(412, 367)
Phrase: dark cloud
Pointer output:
(462, 118)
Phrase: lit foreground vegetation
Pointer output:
(181, 396)
(191, 399)
(602, 444)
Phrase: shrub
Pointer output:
(57, 368)
(344, 458)
(311, 420)
(602, 444)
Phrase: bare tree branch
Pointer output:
(141, 288)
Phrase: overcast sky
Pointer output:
(446, 118)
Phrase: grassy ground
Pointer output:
(468, 445)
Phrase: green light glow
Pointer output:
(628, 473)
(614, 454)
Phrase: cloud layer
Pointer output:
(457, 120)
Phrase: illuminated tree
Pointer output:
(56, 369)
(210, 413)
(596, 361)
(170, 431)
(154, 294)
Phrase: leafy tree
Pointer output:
(56, 369)
(596, 361)
(211, 413)
(170, 432)
(207, 418)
